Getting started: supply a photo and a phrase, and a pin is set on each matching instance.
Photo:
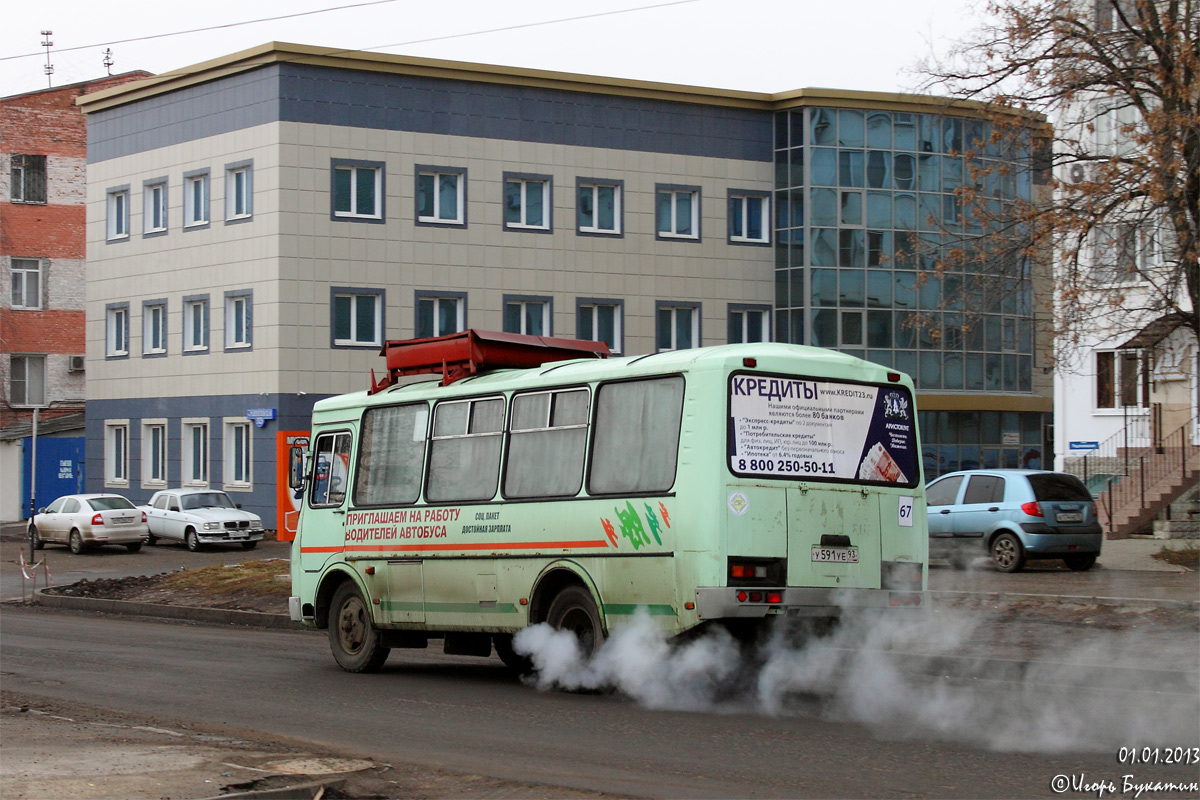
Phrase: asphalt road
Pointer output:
(472, 715)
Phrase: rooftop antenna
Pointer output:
(49, 68)
(108, 60)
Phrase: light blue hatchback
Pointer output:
(1014, 515)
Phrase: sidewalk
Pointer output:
(1126, 574)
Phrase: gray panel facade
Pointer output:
(380, 101)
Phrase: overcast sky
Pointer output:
(754, 45)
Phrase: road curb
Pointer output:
(1116, 602)
(259, 619)
(221, 616)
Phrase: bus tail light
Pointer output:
(750, 363)
(756, 571)
(99, 520)
(774, 598)
(744, 571)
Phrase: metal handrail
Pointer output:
(1148, 464)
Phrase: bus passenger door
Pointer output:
(322, 530)
(405, 598)
(833, 537)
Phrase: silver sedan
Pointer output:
(84, 521)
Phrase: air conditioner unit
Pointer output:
(1077, 173)
(76, 363)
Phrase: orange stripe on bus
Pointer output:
(372, 548)
(476, 546)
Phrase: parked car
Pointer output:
(84, 521)
(198, 517)
(1014, 515)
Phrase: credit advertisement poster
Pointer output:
(786, 427)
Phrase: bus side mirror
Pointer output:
(297, 466)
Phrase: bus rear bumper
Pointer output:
(723, 603)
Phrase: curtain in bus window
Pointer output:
(547, 444)
(637, 436)
(464, 461)
(391, 455)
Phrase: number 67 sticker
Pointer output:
(906, 512)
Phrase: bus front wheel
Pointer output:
(574, 610)
(353, 638)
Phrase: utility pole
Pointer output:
(49, 68)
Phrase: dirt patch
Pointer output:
(1188, 556)
(261, 586)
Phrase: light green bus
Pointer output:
(726, 485)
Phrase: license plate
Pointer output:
(1069, 516)
(835, 554)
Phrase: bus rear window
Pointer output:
(782, 426)
(636, 441)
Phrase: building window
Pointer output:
(1122, 380)
(28, 178)
(239, 322)
(154, 215)
(195, 199)
(440, 314)
(154, 452)
(527, 315)
(527, 202)
(154, 327)
(239, 191)
(27, 380)
(678, 326)
(116, 453)
(357, 317)
(601, 321)
(749, 218)
(358, 190)
(27, 283)
(195, 324)
(749, 324)
(677, 211)
(117, 330)
(195, 452)
(239, 444)
(598, 207)
(441, 196)
(118, 214)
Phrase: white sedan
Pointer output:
(84, 521)
(198, 517)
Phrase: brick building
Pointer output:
(43, 185)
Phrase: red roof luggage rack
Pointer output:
(468, 352)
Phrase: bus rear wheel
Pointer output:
(353, 637)
(574, 610)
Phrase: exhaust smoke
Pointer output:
(901, 677)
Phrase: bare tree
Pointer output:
(1120, 81)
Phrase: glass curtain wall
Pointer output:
(866, 201)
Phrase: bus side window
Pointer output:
(330, 469)
(464, 453)
(547, 444)
(391, 455)
(636, 440)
